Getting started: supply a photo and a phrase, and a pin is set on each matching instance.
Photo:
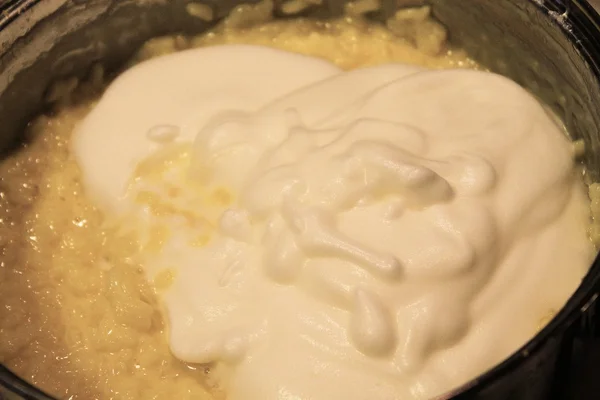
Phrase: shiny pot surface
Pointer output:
(551, 47)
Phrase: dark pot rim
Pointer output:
(583, 31)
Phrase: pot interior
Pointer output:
(550, 49)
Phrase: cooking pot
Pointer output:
(551, 47)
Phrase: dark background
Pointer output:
(585, 368)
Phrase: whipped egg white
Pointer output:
(388, 232)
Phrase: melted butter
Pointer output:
(164, 279)
(371, 224)
(162, 192)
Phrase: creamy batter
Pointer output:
(336, 234)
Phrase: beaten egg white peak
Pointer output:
(388, 232)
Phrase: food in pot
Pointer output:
(327, 215)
